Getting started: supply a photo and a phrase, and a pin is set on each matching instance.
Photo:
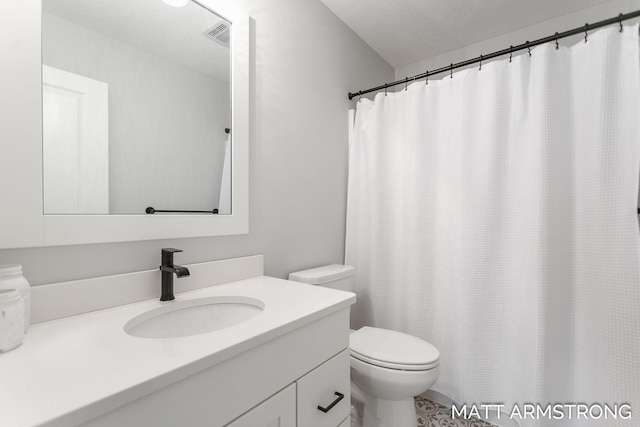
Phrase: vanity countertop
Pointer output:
(72, 369)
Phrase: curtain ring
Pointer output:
(480, 69)
(406, 83)
(620, 20)
(427, 78)
(586, 25)
(557, 45)
(451, 71)
(528, 48)
(510, 52)
(360, 96)
(385, 89)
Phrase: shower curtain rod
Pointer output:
(527, 45)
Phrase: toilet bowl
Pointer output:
(388, 368)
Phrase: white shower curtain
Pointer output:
(224, 201)
(493, 214)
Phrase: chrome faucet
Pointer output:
(168, 270)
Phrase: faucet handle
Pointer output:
(167, 256)
(168, 251)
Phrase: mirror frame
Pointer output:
(22, 222)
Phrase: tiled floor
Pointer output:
(431, 414)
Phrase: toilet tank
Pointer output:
(335, 276)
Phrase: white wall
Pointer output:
(304, 61)
(543, 29)
(166, 121)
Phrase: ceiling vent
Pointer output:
(220, 33)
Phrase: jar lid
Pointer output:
(10, 270)
(8, 295)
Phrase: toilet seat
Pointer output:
(392, 350)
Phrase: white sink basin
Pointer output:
(193, 317)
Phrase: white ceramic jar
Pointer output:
(11, 319)
(11, 278)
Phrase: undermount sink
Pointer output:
(193, 317)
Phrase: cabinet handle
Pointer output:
(334, 403)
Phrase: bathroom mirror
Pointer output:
(153, 144)
(135, 104)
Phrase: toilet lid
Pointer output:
(392, 349)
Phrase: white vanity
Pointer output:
(277, 367)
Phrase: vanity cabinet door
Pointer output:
(277, 411)
(327, 387)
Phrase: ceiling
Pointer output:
(172, 33)
(407, 31)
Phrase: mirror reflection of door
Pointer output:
(75, 113)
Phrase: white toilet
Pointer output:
(388, 368)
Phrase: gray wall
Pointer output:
(304, 60)
(166, 121)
